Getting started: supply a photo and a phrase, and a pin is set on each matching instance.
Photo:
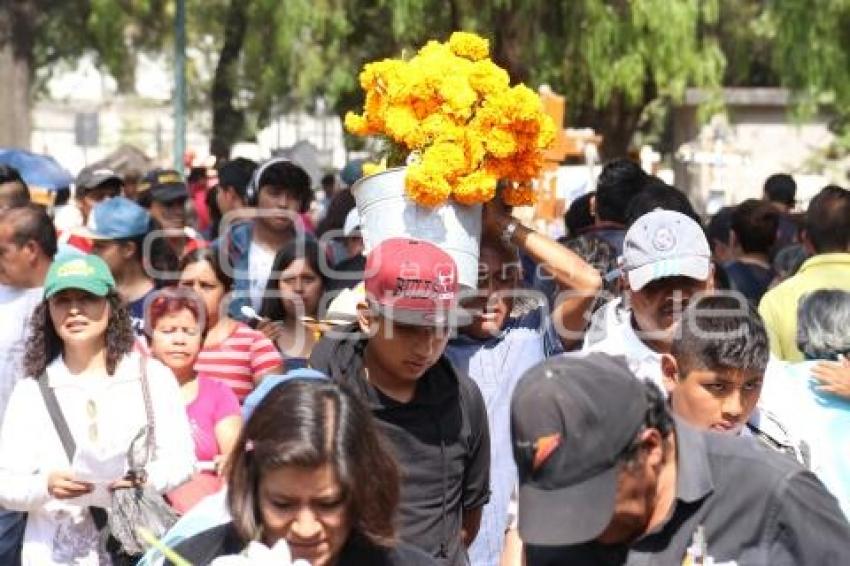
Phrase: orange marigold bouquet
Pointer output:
(451, 114)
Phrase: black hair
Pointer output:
(162, 261)
(755, 224)
(9, 174)
(289, 177)
(657, 417)
(44, 344)
(781, 188)
(211, 256)
(619, 182)
(663, 196)
(720, 332)
(308, 250)
(236, 174)
(61, 196)
(308, 423)
(30, 223)
(828, 220)
(720, 227)
(339, 207)
(578, 216)
(211, 201)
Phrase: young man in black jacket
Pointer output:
(433, 417)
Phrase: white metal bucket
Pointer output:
(385, 212)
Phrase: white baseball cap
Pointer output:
(665, 243)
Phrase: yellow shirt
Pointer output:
(778, 307)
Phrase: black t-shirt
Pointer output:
(440, 439)
(222, 540)
(350, 273)
(750, 280)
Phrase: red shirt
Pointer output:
(239, 360)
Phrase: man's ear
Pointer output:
(128, 249)
(652, 445)
(710, 285)
(31, 249)
(670, 371)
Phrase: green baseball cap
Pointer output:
(84, 272)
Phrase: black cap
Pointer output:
(92, 178)
(164, 185)
(572, 417)
(237, 173)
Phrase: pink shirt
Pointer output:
(213, 403)
(239, 360)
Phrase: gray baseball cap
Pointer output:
(92, 178)
(665, 243)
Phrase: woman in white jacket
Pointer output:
(82, 341)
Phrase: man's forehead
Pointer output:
(673, 284)
(734, 375)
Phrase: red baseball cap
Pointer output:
(413, 282)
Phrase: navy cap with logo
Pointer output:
(572, 417)
(164, 185)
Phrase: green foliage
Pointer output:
(611, 58)
(812, 50)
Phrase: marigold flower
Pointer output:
(426, 186)
(456, 108)
(519, 195)
(356, 124)
(476, 188)
(446, 157)
(469, 46)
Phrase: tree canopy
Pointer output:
(610, 58)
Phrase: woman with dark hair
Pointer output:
(310, 469)
(175, 329)
(233, 353)
(80, 361)
(294, 294)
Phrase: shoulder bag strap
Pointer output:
(99, 516)
(150, 443)
(55, 412)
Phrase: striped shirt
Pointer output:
(239, 360)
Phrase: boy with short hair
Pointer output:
(433, 416)
(278, 191)
(715, 371)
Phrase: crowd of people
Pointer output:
(654, 387)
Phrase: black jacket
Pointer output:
(440, 439)
(222, 540)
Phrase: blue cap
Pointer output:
(116, 219)
(271, 381)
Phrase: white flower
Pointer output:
(258, 554)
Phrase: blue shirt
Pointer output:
(819, 419)
(496, 365)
